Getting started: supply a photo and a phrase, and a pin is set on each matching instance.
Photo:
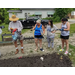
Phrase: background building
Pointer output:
(26, 12)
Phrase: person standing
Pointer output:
(65, 27)
(15, 24)
(51, 29)
(38, 34)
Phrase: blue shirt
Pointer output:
(37, 30)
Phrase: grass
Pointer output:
(72, 56)
(72, 29)
(31, 51)
(72, 51)
(5, 30)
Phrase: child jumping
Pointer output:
(51, 29)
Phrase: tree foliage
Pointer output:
(62, 12)
(4, 15)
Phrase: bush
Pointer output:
(57, 19)
(32, 15)
(0, 21)
(48, 18)
(6, 21)
(21, 19)
(3, 24)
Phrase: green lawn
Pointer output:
(72, 48)
(72, 56)
(72, 28)
(5, 30)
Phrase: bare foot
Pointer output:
(22, 51)
(36, 49)
(16, 51)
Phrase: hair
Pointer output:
(38, 21)
(64, 19)
(51, 23)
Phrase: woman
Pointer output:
(65, 27)
(37, 34)
(15, 24)
(51, 29)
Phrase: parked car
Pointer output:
(31, 21)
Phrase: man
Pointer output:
(15, 24)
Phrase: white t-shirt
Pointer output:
(0, 31)
(17, 25)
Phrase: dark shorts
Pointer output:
(64, 37)
(38, 36)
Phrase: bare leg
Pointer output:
(67, 45)
(15, 43)
(36, 43)
(21, 41)
(62, 40)
(40, 42)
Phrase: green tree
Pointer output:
(74, 9)
(3, 14)
(62, 12)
